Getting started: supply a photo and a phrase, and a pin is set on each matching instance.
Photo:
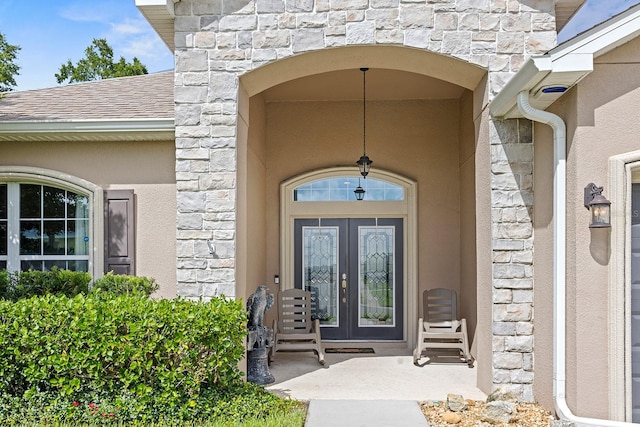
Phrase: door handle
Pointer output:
(344, 288)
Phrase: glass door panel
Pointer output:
(353, 268)
(376, 282)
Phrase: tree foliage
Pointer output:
(8, 67)
(99, 64)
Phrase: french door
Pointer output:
(354, 270)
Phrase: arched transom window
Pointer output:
(341, 189)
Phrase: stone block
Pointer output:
(522, 296)
(238, 23)
(299, 5)
(513, 283)
(473, 6)
(360, 32)
(502, 296)
(312, 20)
(503, 328)
(308, 39)
(237, 6)
(510, 43)
(456, 42)
(417, 38)
(389, 36)
(446, 21)
(189, 221)
(416, 16)
(269, 6)
(189, 202)
(540, 42)
(512, 312)
(191, 60)
(524, 328)
(506, 360)
(522, 344)
(349, 4)
(507, 245)
(377, 4)
(190, 94)
(508, 271)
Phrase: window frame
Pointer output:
(37, 176)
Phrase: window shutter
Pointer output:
(119, 230)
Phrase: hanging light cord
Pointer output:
(364, 110)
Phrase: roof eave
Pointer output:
(565, 65)
(160, 14)
(88, 130)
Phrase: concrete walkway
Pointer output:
(380, 389)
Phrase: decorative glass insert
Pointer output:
(340, 189)
(376, 276)
(320, 269)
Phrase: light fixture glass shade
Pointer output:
(600, 209)
(359, 192)
(364, 164)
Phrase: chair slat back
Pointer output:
(440, 306)
(294, 307)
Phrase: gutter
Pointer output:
(559, 262)
(120, 125)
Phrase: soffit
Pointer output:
(382, 84)
(566, 64)
(565, 9)
(159, 13)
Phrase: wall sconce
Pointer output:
(598, 205)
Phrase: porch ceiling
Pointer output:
(382, 84)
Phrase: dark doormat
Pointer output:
(349, 350)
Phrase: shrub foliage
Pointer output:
(119, 284)
(136, 357)
(25, 284)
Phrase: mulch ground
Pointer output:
(529, 415)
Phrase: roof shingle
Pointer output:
(147, 96)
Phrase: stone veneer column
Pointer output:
(512, 253)
(218, 40)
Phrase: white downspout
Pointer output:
(559, 262)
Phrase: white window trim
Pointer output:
(94, 193)
(624, 169)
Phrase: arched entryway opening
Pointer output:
(304, 114)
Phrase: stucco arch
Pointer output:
(419, 61)
(267, 157)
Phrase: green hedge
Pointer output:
(120, 284)
(163, 355)
(25, 284)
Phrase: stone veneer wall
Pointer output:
(218, 40)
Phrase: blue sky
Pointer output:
(52, 31)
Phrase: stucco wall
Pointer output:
(601, 117)
(418, 139)
(466, 165)
(146, 167)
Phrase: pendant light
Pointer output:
(359, 191)
(364, 163)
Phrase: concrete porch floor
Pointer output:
(388, 374)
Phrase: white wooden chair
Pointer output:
(440, 328)
(294, 329)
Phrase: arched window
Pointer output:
(42, 226)
(340, 189)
